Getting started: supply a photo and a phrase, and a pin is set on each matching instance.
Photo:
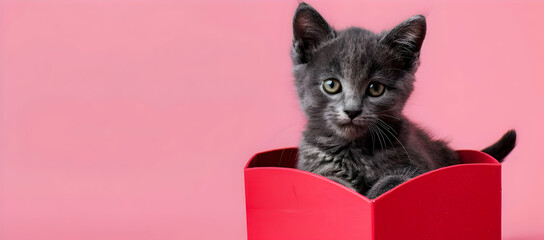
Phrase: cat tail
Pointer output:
(503, 147)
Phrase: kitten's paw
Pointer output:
(385, 184)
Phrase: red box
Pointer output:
(456, 202)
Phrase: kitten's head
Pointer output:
(349, 80)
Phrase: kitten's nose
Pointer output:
(353, 114)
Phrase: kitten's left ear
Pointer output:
(309, 31)
(407, 38)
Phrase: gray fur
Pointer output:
(380, 148)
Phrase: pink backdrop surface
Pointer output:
(134, 119)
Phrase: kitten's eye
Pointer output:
(332, 86)
(375, 89)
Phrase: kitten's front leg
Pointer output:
(342, 181)
(385, 184)
(390, 181)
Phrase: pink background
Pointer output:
(133, 119)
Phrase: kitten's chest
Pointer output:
(366, 168)
(350, 163)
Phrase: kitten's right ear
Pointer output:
(407, 38)
(309, 30)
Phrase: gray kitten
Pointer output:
(352, 86)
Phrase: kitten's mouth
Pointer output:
(351, 125)
(352, 130)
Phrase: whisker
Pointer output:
(408, 155)
(392, 145)
(387, 125)
(373, 139)
(379, 136)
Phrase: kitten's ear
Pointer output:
(407, 38)
(309, 30)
